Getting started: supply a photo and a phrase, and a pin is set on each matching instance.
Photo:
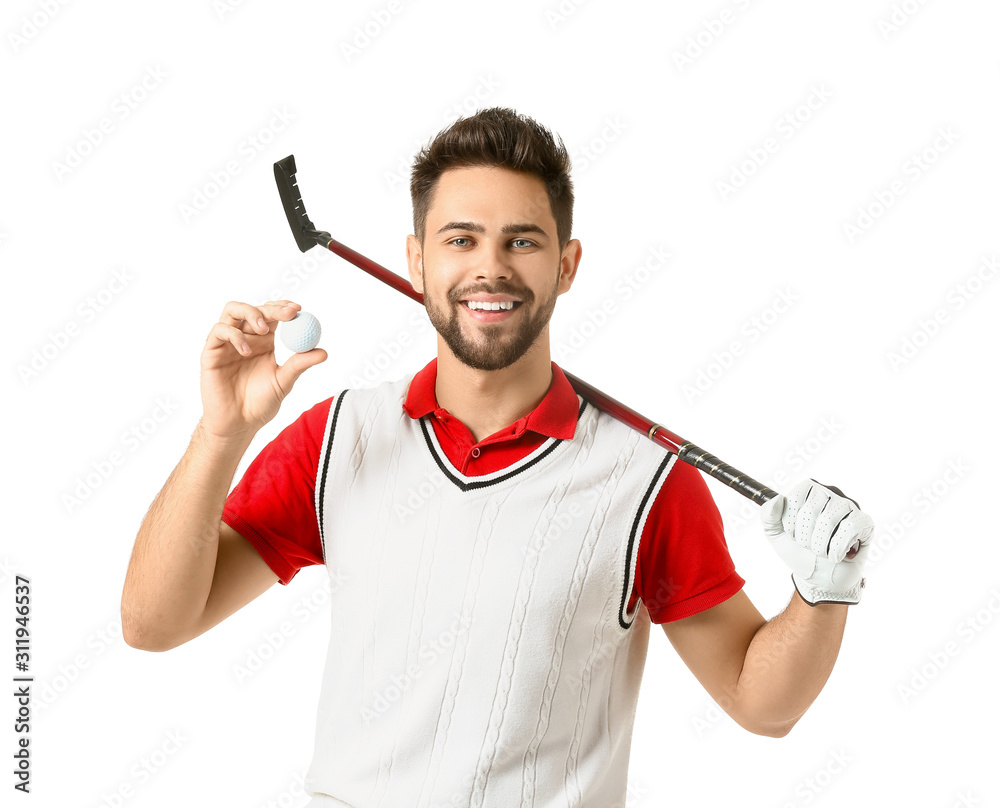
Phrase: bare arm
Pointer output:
(764, 674)
(189, 570)
(183, 546)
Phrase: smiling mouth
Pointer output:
(485, 305)
(490, 311)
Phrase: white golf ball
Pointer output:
(300, 334)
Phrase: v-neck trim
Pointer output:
(466, 483)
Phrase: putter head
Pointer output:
(306, 235)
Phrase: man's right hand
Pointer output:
(189, 569)
(242, 386)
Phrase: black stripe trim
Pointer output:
(326, 468)
(627, 584)
(477, 484)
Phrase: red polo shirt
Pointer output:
(683, 565)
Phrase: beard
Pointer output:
(497, 345)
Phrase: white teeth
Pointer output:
(481, 306)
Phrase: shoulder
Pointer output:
(686, 484)
(353, 408)
(644, 451)
(390, 392)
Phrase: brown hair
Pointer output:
(495, 137)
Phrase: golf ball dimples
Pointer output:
(302, 333)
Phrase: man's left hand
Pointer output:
(814, 530)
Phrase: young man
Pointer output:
(497, 546)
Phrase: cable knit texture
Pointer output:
(480, 652)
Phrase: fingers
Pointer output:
(797, 498)
(222, 333)
(258, 319)
(821, 518)
(857, 527)
(827, 523)
(770, 515)
(240, 323)
(296, 365)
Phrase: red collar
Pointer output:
(554, 417)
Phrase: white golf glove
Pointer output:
(813, 530)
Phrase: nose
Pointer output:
(491, 263)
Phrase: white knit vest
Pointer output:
(480, 652)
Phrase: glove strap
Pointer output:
(814, 595)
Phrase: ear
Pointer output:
(569, 261)
(415, 263)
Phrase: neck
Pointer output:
(486, 401)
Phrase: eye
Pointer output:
(464, 239)
(522, 243)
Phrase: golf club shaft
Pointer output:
(685, 450)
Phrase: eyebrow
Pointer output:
(507, 229)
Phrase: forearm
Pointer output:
(766, 673)
(172, 566)
(787, 663)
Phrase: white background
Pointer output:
(659, 104)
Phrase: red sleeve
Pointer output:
(273, 506)
(683, 566)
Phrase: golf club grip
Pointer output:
(735, 479)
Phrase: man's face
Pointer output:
(491, 239)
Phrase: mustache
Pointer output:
(499, 288)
